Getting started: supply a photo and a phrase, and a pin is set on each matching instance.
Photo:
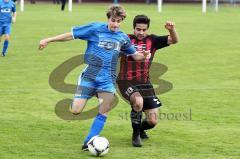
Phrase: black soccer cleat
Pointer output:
(85, 147)
(143, 135)
(136, 140)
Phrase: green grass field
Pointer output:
(203, 68)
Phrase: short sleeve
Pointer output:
(13, 8)
(160, 41)
(83, 32)
(127, 47)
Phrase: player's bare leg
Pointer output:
(105, 102)
(1, 39)
(6, 37)
(105, 105)
(77, 106)
(5, 45)
(136, 117)
(150, 121)
(136, 101)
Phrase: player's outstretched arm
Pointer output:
(173, 35)
(59, 38)
(141, 56)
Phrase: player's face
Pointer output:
(140, 31)
(114, 23)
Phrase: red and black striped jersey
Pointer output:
(139, 70)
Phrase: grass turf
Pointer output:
(203, 68)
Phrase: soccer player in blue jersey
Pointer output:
(105, 41)
(7, 17)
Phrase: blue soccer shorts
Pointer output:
(88, 88)
(5, 29)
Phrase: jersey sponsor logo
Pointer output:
(5, 10)
(109, 45)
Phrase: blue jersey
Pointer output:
(103, 49)
(7, 7)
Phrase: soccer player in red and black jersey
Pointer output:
(133, 79)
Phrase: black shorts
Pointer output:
(150, 100)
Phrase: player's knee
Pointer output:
(75, 112)
(153, 119)
(74, 109)
(7, 38)
(138, 103)
(153, 122)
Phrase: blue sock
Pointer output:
(5, 46)
(96, 127)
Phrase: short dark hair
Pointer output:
(141, 19)
(116, 11)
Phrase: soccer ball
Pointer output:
(98, 146)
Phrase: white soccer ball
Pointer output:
(98, 146)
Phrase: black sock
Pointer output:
(136, 118)
(145, 125)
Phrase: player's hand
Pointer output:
(13, 20)
(170, 25)
(147, 54)
(43, 43)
